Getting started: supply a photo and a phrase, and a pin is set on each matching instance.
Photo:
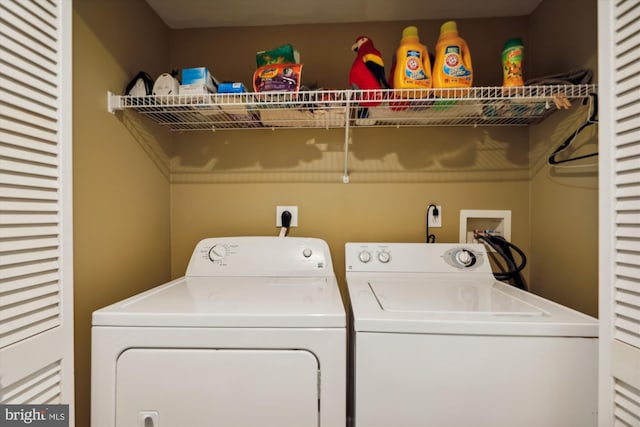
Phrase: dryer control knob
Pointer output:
(217, 252)
(384, 257)
(307, 252)
(364, 256)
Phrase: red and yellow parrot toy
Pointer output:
(367, 71)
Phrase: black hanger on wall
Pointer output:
(590, 121)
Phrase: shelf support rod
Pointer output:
(347, 122)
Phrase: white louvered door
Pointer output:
(36, 270)
(619, 142)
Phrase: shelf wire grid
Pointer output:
(475, 106)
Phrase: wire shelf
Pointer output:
(476, 106)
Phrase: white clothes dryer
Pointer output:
(253, 335)
(437, 341)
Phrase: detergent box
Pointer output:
(236, 87)
(285, 54)
(277, 77)
(197, 81)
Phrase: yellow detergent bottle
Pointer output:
(452, 67)
(413, 67)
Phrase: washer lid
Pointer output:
(465, 306)
(263, 302)
(462, 297)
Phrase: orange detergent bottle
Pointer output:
(412, 68)
(452, 66)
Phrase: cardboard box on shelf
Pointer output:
(237, 87)
(197, 81)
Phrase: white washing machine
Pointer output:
(253, 335)
(437, 341)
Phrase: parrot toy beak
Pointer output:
(358, 43)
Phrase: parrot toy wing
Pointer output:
(367, 71)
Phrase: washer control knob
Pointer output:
(384, 257)
(465, 257)
(307, 252)
(364, 256)
(217, 252)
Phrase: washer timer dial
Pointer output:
(463, 258)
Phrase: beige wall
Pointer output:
(335, 212)
(564, 200)
(121, 189)
(144, 196)
(325, 50)
(229, 183)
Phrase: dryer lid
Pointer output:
(260, 302)
(433, 304)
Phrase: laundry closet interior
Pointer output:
(144, 195)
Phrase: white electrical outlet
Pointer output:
(294, 215)
(435, 221)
